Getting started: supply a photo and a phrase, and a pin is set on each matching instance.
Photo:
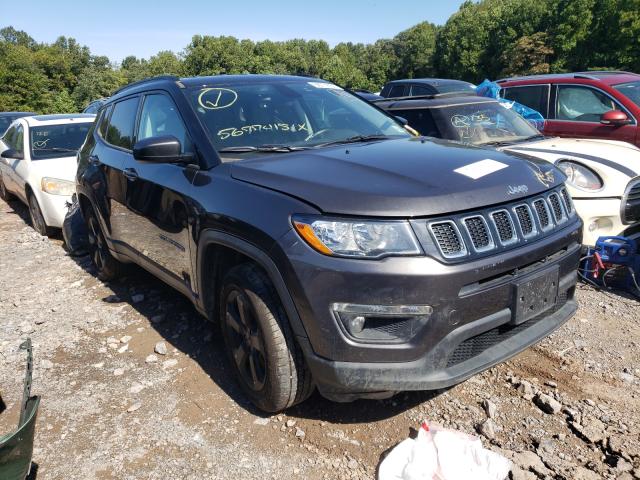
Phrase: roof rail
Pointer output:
(146, 80)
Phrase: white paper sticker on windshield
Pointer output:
(329, 86)
(480, 169)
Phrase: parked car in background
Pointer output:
(335, 249)
(94, 106)
(7, 118)
(38, 164)
(602, 175)
(603, 105)
(425, 86)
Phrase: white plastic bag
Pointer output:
(441, 454)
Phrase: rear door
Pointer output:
(157, 194)
(116, 131)
(6, 164)
(13, 180)
(577, 110)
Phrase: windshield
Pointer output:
(482, 123)
(54, 141)
(298, 114)
(630, 90)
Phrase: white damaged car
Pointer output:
(38, 164)
(603, 176)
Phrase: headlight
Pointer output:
(57, 186)
(580, 176)
(358, 238)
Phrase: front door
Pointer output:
(157, 194)
(578, 109)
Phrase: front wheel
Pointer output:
(37, 219)
(260, 344)
(107, 266)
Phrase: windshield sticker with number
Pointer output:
(226, 133)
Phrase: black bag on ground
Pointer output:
(74, 230)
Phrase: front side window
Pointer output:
(301, 114)
(533, 96)
(5, 121)
(9, 137)
(630, 90)
(160, 117)
(122, 123)
(582, 104)
(482, 124)
(18, 139)
(55, 141)
(421, 120)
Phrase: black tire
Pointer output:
(4, 193)
(37, 219)
(107, 267)
(259, 342)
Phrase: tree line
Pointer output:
(485, 39)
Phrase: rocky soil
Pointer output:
(134, 386)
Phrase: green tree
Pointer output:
(414, 49)
(528, 56)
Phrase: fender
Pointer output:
(212, 237)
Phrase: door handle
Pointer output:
(94, 160)
(130, 173)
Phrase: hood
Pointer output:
(399, 178)
(615, 162)
(63, 168)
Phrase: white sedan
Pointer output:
(38, 164)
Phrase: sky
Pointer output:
(118, 28)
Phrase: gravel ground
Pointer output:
(134, 386)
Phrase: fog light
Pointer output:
(382, 323)
(593, 226)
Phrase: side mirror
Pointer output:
(403, 121)
(615, 118)
(12, 153)
(163, 149)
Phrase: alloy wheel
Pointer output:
(245, 340)
(97, 244)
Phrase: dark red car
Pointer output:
(602, 104)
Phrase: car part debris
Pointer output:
(614, 262)
(74, 230)
(16, 448)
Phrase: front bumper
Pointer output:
(470, 330)
(54, 208)
(601, 217)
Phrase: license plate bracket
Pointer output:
(535, 294)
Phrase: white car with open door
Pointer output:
(38, 164)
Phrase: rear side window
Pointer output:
(420, 90)
(421, 120)
(397, 91)
(103, 121)
(122, 123)
(533, 96)
(582, 104)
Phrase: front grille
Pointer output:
(631, 204)
(558, 214)
(448, 239)
(502, 222)
(568, 203)
(525, 219)
(490, 230)
(478, 232)
(474, 346)
(543, 213)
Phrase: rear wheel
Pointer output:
(37, 219)
(4, 193)
(259, 341)
(107, 266)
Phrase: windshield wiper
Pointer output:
(537, 136)
(262, 149)
(355, 139)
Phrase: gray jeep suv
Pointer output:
(336, 250)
